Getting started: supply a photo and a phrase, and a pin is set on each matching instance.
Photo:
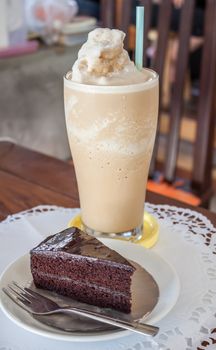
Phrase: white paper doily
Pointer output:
(187, 241)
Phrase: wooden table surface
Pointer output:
(29, 178)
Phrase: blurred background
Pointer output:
(39, 42)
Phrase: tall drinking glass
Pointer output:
(111, 131)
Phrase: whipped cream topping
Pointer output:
(102, 60)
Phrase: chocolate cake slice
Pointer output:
(77, 265)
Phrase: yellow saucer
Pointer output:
(150, 229)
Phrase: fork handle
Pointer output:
(137, 327)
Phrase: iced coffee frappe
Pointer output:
(111, 113)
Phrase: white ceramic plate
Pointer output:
(162, 272)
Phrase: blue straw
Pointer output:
(139, 37)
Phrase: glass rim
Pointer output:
(113, 88)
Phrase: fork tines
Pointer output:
(18, 295)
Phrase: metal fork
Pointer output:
(37, 304)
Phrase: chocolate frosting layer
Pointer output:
(76, 242)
